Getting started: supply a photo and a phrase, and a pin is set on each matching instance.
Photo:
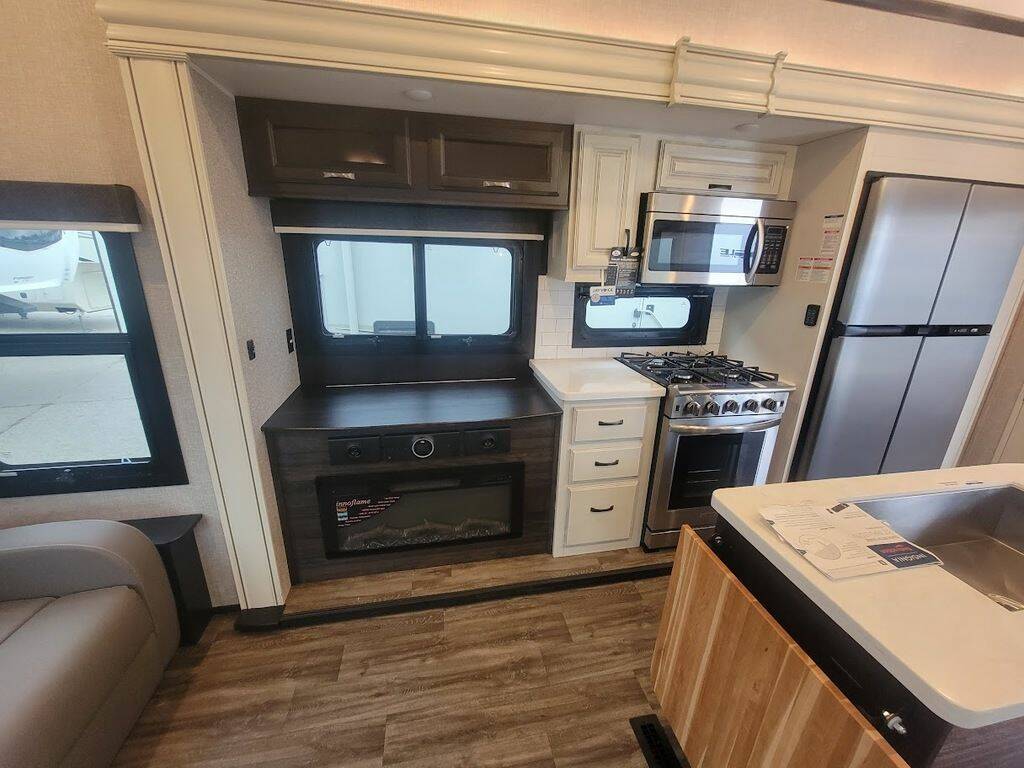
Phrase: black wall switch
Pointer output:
(811, 314)
(250, 347)
(289, 338)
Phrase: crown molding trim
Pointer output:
(336, 34)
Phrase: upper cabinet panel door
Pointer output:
(764, 171)
(500, 157)
(605, 205)
(291, 142)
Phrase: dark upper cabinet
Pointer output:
(294, 143)
(497, 157)
(295, 149)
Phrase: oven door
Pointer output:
(694, 458)
(696, 249)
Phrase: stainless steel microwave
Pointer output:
(711, 240)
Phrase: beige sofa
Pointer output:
(87, 626)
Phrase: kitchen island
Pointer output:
(933, 663)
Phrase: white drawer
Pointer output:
(600, 513)
(610, 422)
(605, 462)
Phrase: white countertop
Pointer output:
(593, 379)
(956, 650)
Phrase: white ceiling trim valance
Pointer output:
(340, 35)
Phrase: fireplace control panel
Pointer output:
(430, 446)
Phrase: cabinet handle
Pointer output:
(606, 463)
(618, 423)
(606, 509)
(503, 184)
(340, 175)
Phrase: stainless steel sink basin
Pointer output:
(978, 534)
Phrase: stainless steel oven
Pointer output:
(694, 458)
(711, 240)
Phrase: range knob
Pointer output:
(692, 408)
(711, 407)
(769, 404)
(750, 405)
(422, 447)
(730, 406)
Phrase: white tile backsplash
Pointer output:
(554, 325)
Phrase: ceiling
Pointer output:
(363, 89)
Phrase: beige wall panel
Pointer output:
(65, 118)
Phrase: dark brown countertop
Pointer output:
(411, 405)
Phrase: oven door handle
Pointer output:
(755, 258)
(724, 429)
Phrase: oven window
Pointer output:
(700, 246)
(704, 464)
(662, 316)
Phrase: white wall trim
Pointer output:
(163, 116)
(346, 36)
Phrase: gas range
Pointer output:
(711, 386)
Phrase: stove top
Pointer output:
(687, 371)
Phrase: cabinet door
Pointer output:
(605, 199)
(323, 144)
(499, 157)
(737, 690)
(763, 171)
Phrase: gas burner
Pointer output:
(692, 372)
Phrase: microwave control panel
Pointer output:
(774, 243)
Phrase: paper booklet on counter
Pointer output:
(843, 540)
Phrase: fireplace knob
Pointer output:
(422, 447)
(489, 442)
(354, 451)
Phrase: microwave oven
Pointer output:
(712, 240)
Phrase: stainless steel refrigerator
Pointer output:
(931, 263)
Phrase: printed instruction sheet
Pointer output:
(842, 540)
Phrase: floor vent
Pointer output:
(659, 748)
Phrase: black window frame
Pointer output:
(137, 345)
(694, 333)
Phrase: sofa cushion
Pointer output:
(63, 663)
(14, 613)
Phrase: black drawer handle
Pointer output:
(606, 463)
(618, 423)
(606, 509)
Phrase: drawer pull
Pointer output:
(340, 175)
(606, 463)
(618, 423)
(603, 509)
(502, 184)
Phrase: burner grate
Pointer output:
(687, 368)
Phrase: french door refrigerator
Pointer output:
(930, 268)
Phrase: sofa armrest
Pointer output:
(57, 559)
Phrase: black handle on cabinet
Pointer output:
(618, 423)
(606, 509)
(606, 463)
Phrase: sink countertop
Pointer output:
(956, 650)
(593, 379)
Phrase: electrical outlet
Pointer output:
(250, 347)
(289, 338)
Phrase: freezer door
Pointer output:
(987, 248)
(904, 243)
(938, 390)
(861, 392)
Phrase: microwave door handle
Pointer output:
(724, 429)
(755, 260)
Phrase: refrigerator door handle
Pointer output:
(755, 259)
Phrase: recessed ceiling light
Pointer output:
(747, 128)
(419, 94)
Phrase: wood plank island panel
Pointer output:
(425, 582)
(735, 688)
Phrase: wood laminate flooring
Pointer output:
(548, 680)
(423, 582)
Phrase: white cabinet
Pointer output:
(603, 204)
(762, 170)
(604, 465)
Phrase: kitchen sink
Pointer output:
(977, 533)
